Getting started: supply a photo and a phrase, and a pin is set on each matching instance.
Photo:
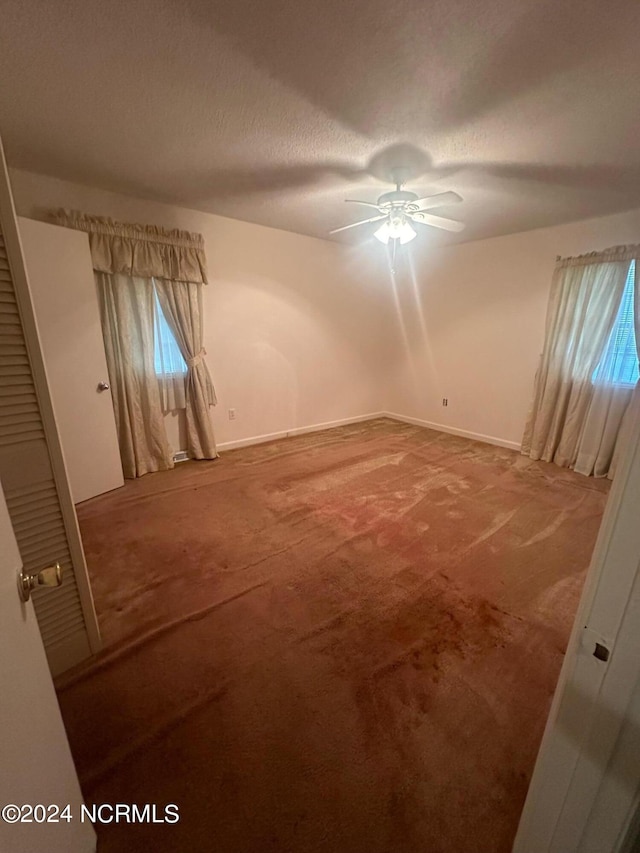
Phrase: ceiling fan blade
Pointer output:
(367, 203)
(438, 200)
(437, 221)
(362, 222)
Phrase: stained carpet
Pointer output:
(346, 641)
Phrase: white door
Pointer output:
(65, 302)
(32, 467)
(36, 764)
(585, 788)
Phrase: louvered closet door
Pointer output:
(32, 468)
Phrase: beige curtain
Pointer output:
(599, 438)
(181, 302)
(612, 392)
(585, 296)
(147, 251)
(126, 307)
(132, 258)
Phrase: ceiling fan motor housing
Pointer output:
(396, 199)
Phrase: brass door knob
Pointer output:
(50, 576)
(103, 386)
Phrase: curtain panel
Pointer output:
(131, 264)
(574, 421)
(626, 421)
(126, 309)
(181, 303)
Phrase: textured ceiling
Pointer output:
(274, 111)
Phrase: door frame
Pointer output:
(593, 705)
(32, 339)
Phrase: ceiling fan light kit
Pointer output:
(396, 228)
(400, 208)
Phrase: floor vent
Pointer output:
(180, 456)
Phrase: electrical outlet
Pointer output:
(445, 401)
(232, 414)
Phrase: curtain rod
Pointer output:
(131, 230)
(628, 252)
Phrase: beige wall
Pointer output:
(471, 324)
(296, 329)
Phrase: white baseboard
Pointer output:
(464, 433)
(272, 436)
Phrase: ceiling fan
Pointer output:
(400, 208)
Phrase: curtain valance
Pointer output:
(615, 253)
(147, 251)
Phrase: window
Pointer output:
(167, 357)
(170, 366)
(619, 364)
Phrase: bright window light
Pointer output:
(167, 357)
(619, 363)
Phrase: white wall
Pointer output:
(471, 324)
(296, 329)
(301, 331)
